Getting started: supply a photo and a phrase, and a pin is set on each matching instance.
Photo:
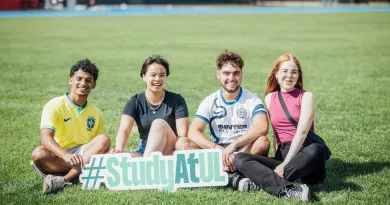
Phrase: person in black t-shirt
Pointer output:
(161, 116)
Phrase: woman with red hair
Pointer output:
(295, 161)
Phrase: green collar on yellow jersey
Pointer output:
(78, 108)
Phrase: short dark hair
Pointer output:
(86, 66)
(229, 57)
(154, 59)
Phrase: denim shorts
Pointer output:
(141, 147)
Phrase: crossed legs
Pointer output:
(307, 167)
(49, 163)
(258, 147)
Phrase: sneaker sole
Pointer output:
(37, 170)
(45, 187)
(236, 182)
(241, 184)
(305, 192)
(234, 179)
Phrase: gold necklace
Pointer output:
(158, 106)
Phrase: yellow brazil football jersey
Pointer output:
(73, 125)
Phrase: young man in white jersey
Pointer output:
(237, 118)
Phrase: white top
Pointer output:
(229, 120)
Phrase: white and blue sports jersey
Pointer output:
(229, 120)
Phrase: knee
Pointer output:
(40, 154)
(103, 141)
(261, 146)
(315, 152)
(183, 143)
(240, 159)
(315, 149)
(158, 124)
(158, 129)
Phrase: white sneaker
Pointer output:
(300, 192)
(234, 180)
(247, 185)
(52, 184)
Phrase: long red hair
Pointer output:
(272, 83)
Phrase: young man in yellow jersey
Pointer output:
(72, 130)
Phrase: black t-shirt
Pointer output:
(172, 107)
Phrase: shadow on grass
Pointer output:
(338, 172)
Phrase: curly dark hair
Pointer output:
(229, 57)
(154, 59)
(86, 66)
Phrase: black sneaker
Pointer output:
(301, 192)
(234, 179)
(248, 185)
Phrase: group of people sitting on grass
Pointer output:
(72, 129)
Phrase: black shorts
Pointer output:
(224, 145)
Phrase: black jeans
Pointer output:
(307, 167)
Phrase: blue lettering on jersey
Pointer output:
(231, 127)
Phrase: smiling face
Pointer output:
(82, 83)
(287, 76)
(230, 77)
(155, 77)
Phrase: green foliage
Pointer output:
(345, 60)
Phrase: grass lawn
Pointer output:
(345, 59)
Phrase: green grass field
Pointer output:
(345, 59)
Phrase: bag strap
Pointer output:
(286, 110)
(318, 138)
